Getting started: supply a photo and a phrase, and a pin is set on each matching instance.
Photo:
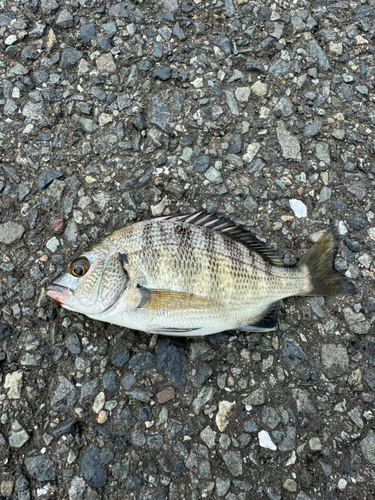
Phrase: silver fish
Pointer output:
(192, 275)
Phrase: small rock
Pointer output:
(256, 398)
(10, 232)
(142, 362)
(233, 461)
(64, 19)
(159, 114)
(242, 94)
(259, 88)
(201, 164)
(368, 447)
(290, 485)
(76, 489)
(69, 58)
(204, 396)
(299, 208)
(162, 73)
(170, 358)
(208, 436)
(47, 177)
(105, 63)
(17, 436)
(265, 440)
(166, 395)
(41, 468)
(335, 360)
(13, 382)
(57, 226)
(313, 129)
(288, 142)
(91, 467)
(232, 104)
(357, 322)
(120, 358)
(222, 416)
(88, 32)
(270, 418)
(315, 444)
(322, 152)
(222, 486)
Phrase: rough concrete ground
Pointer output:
(114, 112)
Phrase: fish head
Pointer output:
(93, 282)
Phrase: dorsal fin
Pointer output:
(229, 228)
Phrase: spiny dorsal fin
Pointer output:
(229, 228)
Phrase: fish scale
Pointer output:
(192, 275)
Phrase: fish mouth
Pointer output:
(56, 292)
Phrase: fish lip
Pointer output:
(57, 288)
(57, 292)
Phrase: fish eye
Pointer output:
(79, 267)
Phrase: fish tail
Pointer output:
(322, 278)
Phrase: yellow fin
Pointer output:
(172, 300)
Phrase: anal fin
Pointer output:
(267, 322)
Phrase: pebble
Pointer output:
(222, 418)
(315, 444)
(17, 436)
(335, 360)
(265, 440)
(242, 94)
(41, 468)
(170, 359)
(233, 461)
(10, 232)
(166, 395)
(119, 359)
(290, 485)
(141, 362)
(13, 382)
(368, 446)
(259, 88)
(299, 208)
(288, 142)
(91, 467)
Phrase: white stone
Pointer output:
(299, 208)
(265, 440)
(13, 382)
(159, 208)
(52, 244)
(251, 151)
(99, 402)
(222, 420)
(342, 228)
(371, 233)
(259, 88)
(315, 444)
(342, 484)
(197, 83)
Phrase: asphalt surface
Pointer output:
(111, 113)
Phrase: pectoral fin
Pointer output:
(171, 300)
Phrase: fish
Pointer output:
(192, 275)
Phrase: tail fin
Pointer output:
(324, 279)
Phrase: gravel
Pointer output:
(113, 113)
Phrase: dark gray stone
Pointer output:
(110, 382)
(40, 467)
(91, 467)
(133, 483)
(69, 57)
(64, 428)
(120, 358)
(233, 461)
(313, 129)
(237, 143)
(292, 355)
(201, 164)
(47, 177)
(170, 358)
(72, 343)
(204, 372)
(141, 362)
(159, 114)
(88, 32)
(5, 331)
(223, 43)
(64, 19)
(178, 32)
(163, 73)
